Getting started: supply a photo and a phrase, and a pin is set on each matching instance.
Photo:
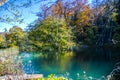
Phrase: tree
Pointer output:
(116, 30)
(84, 17)
(13, 9)
(66, 10)
(15, 36)
(1, 40)
(52, 36)
(105, 20)
(2, 2)
(77, 14)
(118, 11)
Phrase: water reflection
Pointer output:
(96, 62)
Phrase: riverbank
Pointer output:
(9, 51)
(7, 63)
(22, 77)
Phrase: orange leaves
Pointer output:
(57, 9)
(67, 9)
(84, 16)
(3, 2)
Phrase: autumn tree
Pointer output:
(51, 36)
(67, 10)
(1, 40)
(77, 14)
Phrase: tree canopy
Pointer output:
(93, 24)
(52, 35)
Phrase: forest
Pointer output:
(62, 26)
(81, 23)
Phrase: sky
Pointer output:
(28, 14)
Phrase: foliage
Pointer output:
(84, 16)
(75, 14)
(15, 37)
(53, 77)
(72, 9)
(116, 36)
(85, 35)
(52, 35)
(1, 40)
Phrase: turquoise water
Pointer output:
(92, 62)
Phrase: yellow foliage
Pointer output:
(84, 16)
(114, 16)
(1, 38)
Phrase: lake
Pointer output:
(90, 62)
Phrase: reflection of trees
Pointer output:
(51, 63)
(93, 53)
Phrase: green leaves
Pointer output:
(15, 37)
(114, 15)
(52, 35)
(53, 77)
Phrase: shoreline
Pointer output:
(21, 77)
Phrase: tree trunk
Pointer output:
(110, 33)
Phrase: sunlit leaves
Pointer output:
(114, 15)
(84, 16)
(14, 37)
(53, 77)
(1, 38)
(52, 35)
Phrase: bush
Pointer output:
(53, 77)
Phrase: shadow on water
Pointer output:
(96, 62)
